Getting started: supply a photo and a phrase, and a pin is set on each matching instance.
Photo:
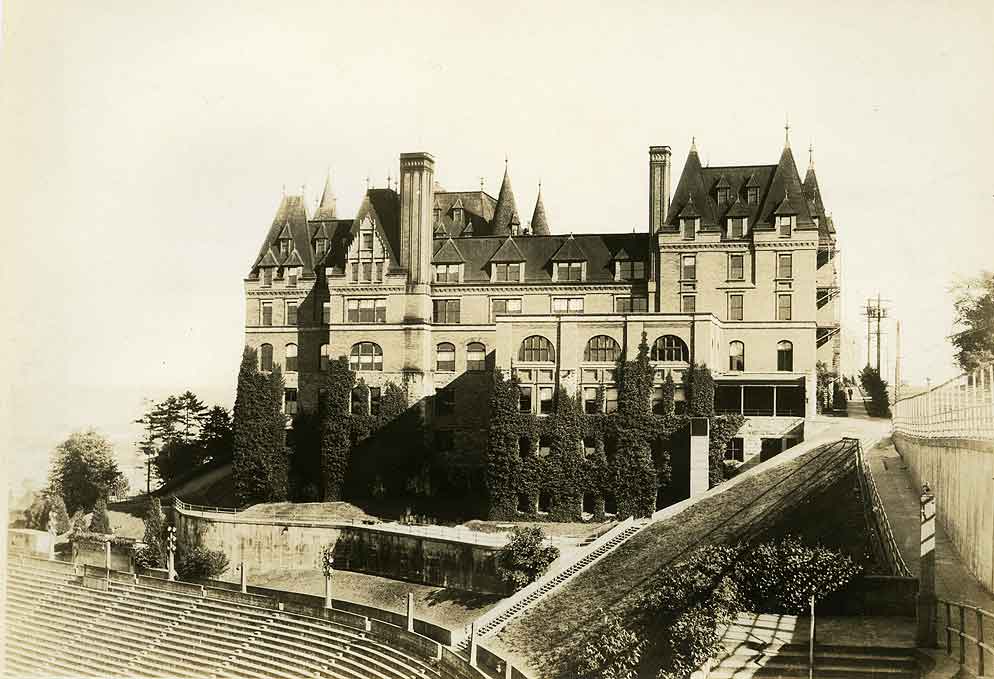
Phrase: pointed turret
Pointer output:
(327, 206)
(811, 190)
(540, 224)
(505, 219)
(690, 198)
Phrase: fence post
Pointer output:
(962, 639)
(472, 644)
(949, 631)
(410, 611)
(107, 558)
(980, 643)
(926, 572)
(244, 579)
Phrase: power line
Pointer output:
(877, 310)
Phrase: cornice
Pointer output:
(279, 292)
(524, 289)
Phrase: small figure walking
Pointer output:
(850, 393)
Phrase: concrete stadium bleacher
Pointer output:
(57, 624)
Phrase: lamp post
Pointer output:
(328, 566)
(171, 546)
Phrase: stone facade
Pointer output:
(434, 289)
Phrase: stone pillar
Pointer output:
(107, 558)
(472, 644)
(926, 572)
(410, 612)
(700, 438)
(244, 578)
(328, 598)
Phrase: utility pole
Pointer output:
(880, 312)
(874, 310)
(897, 366)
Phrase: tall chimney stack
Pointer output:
(417, 198)
(659, 186)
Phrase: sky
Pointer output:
(146, 146)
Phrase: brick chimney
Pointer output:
(417, 198)
(659, 186)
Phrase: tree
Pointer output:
(502, 447)
(525, 557)
(333, 409)
(155, 527)
(191, 414)
(876, 388)
(669, 395)
(100, 521)
(823, 388)
(216, 434)
(259, 456)
(200, 562)
(614, 653)
(84, 470)
(699, 390)
(58, 515)
(974, 314)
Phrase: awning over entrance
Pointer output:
(760, 398)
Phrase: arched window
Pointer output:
(445, 357)
(785, 356)
(266, 357)
(291, 358)
(670, 348)
(324, 358)
(366, 356)
(601, 349)
(536, 349)
(736, 356)
(476, 357)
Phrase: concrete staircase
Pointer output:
(495, 619)
(775, 647)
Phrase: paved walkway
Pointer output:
(954, 582)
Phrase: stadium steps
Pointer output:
(766, 647)
(516, 605)
(55, 625)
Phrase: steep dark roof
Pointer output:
(505, 212)
(293, 259)
(600, 252)
(540, 223)
(290, 221)
(448, 253)
(478, 210)
(813, 193)
(508, 252)
(570, 252)
(383, 205)
(327, 207)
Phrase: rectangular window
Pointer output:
(267, 277)
(267, 313)
(545, 400)
(374, 400)
(290, 401)
(355, 272)
(367, 242)
(326, 313)
(320, 245)
(446, 273)
(367, 271)
(569, 271)
(631, 305)
(752, 195)
(783, 307)
(525, 399)
(736, 227)
(783, 223)
(445, 401)
(291, 358)
(379, 270)
(610, 399)
(366, 311)
(785, 265)
(291, 313)
(567, 305)
(689, 304)
(736, 267)
(689, 228)
(507, 273)
(689, 271)
(735, 307)
(633, 270)
(506, 306)
(291, 277)
(724, 195)
(446, 311)
(590, 400)
(735, 449)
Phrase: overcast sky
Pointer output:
(145, 146)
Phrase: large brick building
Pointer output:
(434, 289)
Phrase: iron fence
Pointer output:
(962, 407)
(877, 515)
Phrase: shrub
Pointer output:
(100, 522)
(59, 516)
(525, 557)
(699, 390)
(260, 463)
(614, 653)
(154, 533)
(875, 387)
(336, 444)
(147, 558)
(200, 562)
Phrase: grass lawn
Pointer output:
(126, 525)
(569, 530)
(449, 608)
(551, 634)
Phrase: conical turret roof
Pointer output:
(327, 208)
(506, 212)
(540, 224)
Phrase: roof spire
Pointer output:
(693, 144)
(327, 206)
(811, 156)
(540, 223)
(786, 131)
(505, 212)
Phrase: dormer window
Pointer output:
(284, 246)
(291, 277)
(320, 246)
(507, 272)
(569, 271)
(689, 226)
(752, 195)
(724, 195)
(785, 224)
(457, 216)
(267, 276)
(736, 227)
(631, 270)
(366, 242)
(447, 273)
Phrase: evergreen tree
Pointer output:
(255, 450)
(100, 521)
(502, 448)
(669, 396)
(191, 414)
(58, 515)
(155, 533)
(215, 435)
(278, 459)
(699, 387)
(333, 409)
(84, 470)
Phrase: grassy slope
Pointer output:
(549, 635)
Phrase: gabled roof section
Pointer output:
(690, 199)
(508, 252)
(753, 182)
(786, 207)
(505, 212)
(293, 259)
(812, 192)
(784, 193)
(540, 223)
(448, 254)
(689, 210)
(722, 183)
(570, 252)
(739, 209)
(290, 221)
(268, 260)
(621, 255)
(478, 210)
(383, 207)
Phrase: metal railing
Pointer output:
(186, 506)
(877, 515)
(979, 615)
(962, 407)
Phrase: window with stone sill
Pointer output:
(291, 358)
(366, 311)
(689, 304)
(735, 307)
(506, 306)
(507, 272)
(266, 358)
(752, 196)
(567, 305)
(688, 269)
(476, 357)
(631, 305)
(291, 313)
(784, 225)
(569, 271)
(783, 307)
(445, 311)
(736, 227)
(445, 357)
(290, 401)
(267, 276)
(736, 267)
(545, 400)
(631, 270)
(785, 265)
(266, 314)
(447, 273)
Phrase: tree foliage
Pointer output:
(336, 434)
(84, 470)
(875, 387)
(973, 307)
(525, 557)
(699, 388)
(100, 521)
(199, 562)
(155, 533)
(258, 433)
(502, 451)
(613, 652)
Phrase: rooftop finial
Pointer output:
(481, 184)
(367, 182)
(811, 155)
(786, 130)
(693, 144)
(505, 159)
